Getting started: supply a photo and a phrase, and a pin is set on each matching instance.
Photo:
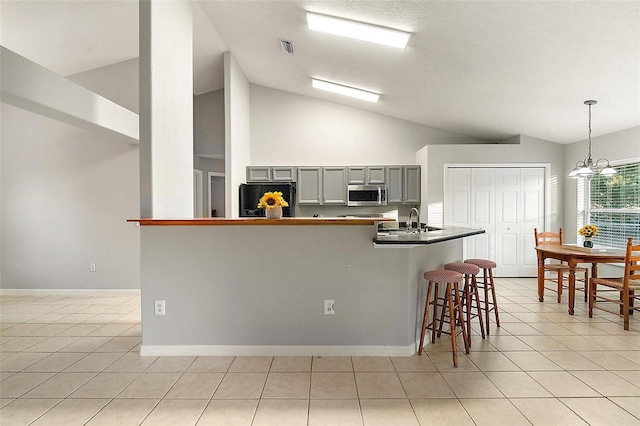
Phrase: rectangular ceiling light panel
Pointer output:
(358, 30)
(345, 90)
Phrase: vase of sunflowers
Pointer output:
(588, 232)
(273, 202)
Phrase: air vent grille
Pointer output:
(287, 46)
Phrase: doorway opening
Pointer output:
(216, 194)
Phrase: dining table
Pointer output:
(574, 254)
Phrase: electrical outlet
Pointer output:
(328, 307)
(159, 307)
(92, 267)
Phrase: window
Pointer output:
(613, 205)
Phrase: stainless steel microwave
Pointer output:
(366, 195)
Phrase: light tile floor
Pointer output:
(74, 360)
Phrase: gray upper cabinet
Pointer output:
(283, 174)
(271, 174)
(258, 174)
(328, 185)
(356, 175)
(334, 186)
(309, 187)
(370, 175)
(411, 185)
(395, 186)
(403, 185)
(376, 175)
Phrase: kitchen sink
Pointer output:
(403, 231)
(401, 235)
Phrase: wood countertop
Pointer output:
(260, 221)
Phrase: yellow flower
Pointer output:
(588, 231)
(271, 200)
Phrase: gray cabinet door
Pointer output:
(309, 188)
(411, 185)
(395, 188)
(283, 174)
(369, 175)
(258, 174)
(357, 175)
(376, 175)
(334, 186)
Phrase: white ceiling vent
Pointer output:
(287, 46)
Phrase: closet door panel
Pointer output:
(458, 197)
(483, 213)
(507, 218)
(533, 191)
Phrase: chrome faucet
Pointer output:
(409, 223)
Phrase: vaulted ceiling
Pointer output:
(490, 69)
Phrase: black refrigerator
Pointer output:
(250, 194)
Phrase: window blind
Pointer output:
(614, 206)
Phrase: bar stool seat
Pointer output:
(470, 296)
(450, 306)
(482, 263)
(488, 285)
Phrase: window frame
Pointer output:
(585, 211)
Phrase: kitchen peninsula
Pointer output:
(258, 286)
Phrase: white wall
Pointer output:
(529, 150)
(166, 109)
(209, 137)
(66, 196)
(288, 129)
(617, 146)
(237, 132)
(208, 124)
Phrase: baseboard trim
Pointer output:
(67, 291)
(275, 350)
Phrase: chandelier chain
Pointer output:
(589, 131)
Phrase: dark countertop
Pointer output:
(431, 237)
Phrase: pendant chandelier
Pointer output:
(586, 168)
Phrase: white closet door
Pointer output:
(482, 213)
(458, 197)
(532, 184)
(508, 213)
(507, 202)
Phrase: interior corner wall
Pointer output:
(616, 146)
(422, 159)
(67, 194)
(529, 150)
(290, 129)
(208, 124)
(237, 98)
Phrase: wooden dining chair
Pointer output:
(624, 287)
(559, 270)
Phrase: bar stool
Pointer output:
(471, 299)
(489, 286)
(450, 307)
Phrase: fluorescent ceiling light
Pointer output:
(358, 30)
(345, 90)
